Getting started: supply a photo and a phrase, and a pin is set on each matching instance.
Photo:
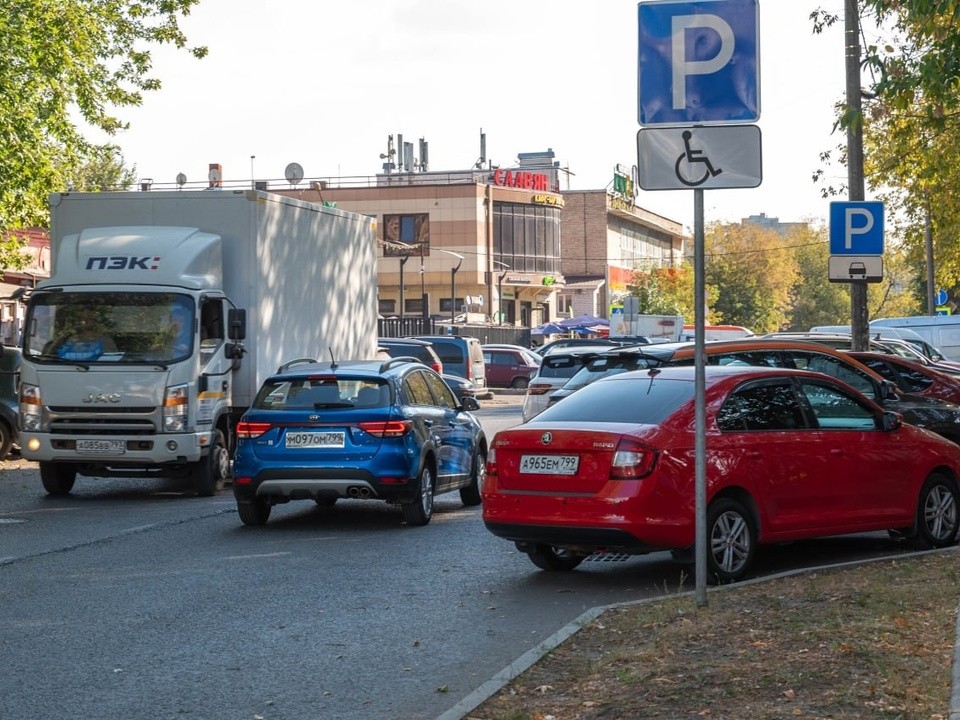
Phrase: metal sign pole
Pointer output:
(700, 423)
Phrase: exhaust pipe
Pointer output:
(365, 492)
(353, 491)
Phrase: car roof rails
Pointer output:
(399, 360)
(287, 365)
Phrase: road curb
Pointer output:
(529, 658)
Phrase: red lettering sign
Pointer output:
(521, 179)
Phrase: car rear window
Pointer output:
(636, 398)
(314, 394)
(449, 353)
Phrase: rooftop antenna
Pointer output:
(388, 155)
(181, 180)
(483, 150)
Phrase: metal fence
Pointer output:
(404, 327)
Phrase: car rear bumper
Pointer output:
(587, 539)
(304, 483)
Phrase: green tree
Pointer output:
(103, 171)
(668, 291)
(66, 59)
(911, 117)
(815, 300)
(756, 273)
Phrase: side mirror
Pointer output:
(470, 403)
(888, 391)
(891, 421)
(236, 323)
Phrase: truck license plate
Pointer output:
(314, 439)
(101, 447)
(550, 464)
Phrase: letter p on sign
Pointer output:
(682, 67)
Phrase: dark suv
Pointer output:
(408, 347)
(367, 429)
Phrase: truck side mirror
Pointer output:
(236, 323)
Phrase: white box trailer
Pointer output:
(261, 279)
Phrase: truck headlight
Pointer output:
(31, 407)
(176, 407)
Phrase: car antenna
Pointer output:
(333, 360)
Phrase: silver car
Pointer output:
(556, 368)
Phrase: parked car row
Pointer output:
(803, 440)
(791, 454)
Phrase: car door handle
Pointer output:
(754, 455)
(428, 423)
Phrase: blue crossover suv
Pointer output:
(381, 430)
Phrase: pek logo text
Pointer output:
(123, 262)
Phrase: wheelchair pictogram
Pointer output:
(686, 167)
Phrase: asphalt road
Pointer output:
(132, 599)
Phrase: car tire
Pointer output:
(520, 383)
(732, 540)
(210, 472)
(57, 478)
(420, 510)
(253, 512)
(470, 495)
(938, 512)
(6, 440)
(548, 557)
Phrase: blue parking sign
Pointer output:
(699, 62)
(856, 228)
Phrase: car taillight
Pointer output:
(491, 468)
(538, 389)
(632, 461)
(247, 430)
(388, 428)
(438, 367)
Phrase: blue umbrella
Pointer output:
(583, 321)
(548, 329)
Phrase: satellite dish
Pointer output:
(181, 179)
(214, 175)
(294, 173)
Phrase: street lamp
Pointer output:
(500, 290)
(403, 261)
(453, 285)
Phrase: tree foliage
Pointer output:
(755, 272)
(911, 117)
(104, 170)
(66, 59)
(667, 291)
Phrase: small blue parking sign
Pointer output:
(699, 62)
(856, 228)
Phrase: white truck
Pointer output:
(115, 383)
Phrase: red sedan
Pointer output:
(912, 377)
(791, 454)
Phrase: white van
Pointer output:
(941, 331)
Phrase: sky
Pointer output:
(323, 84)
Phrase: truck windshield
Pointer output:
(88, 327)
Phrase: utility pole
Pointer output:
(860, 322)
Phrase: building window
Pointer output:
(386, 307)
(406, 235)
(413, 307)
(445, 305)
(526, 238)
(564, 304)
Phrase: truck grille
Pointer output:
(105, 421)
